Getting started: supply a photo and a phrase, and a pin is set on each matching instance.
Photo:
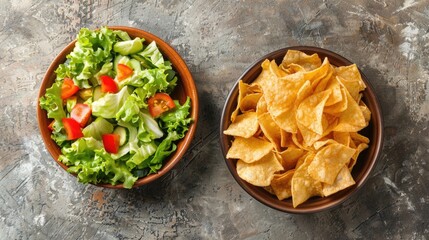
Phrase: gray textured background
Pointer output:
(389, 40)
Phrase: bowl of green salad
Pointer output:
(117, 107)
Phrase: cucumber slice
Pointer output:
(146, 63)
(97, 93)
(123, 134)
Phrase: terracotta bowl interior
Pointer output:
(366, 159)
(185, 87)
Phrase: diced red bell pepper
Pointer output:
(72, 128)
(108, 85)
(111, 142)
(68, 88)
(123, 72)
(81, 113)
(160, 103)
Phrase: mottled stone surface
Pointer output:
(389, 40)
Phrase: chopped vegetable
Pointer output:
(51, 126)
(111, 142)
(159, 104)
(124, 72)
(108, 85)
(81, 113)
(68, 88)
(72, 129)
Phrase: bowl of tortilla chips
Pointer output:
(301, 129)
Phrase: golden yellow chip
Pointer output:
(281, 185)
(308, 62)
(280, 95)
(248, 103)
(259, 173)
(290, 157)
(310, 111)
(245, 125)
(328, 162)
(344, 180)
(355, 156)
(319, 74)
(366, 112)
(342, 137)
(321, 143)
(352, 119)
(350, 77)
(244, 89)
(358, 137)
(339, 107)
(303, 185)
(249, 149)
(292, 68)
(336, 94)
(323, 82)
(270, 129)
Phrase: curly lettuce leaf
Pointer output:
(178, 119)
(91, 51)
(53, 104)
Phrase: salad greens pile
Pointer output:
(144, 140)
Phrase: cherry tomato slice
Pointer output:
(51, 126)
(72, 128)
(81, 113)
(108, 85)
(160, 103)
(68, 88)
(123, 72)
(111, 142)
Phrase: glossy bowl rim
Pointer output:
(345, 194)
(169, 53)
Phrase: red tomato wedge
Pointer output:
(68, 88)
(108, 85)
(123, 72)
(111, 142)
(72, 128)
(160, 103)
(81, 113)
(51, 126)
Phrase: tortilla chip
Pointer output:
(328, 162)
(344, 180)
(308, 62)
(290, 157)
(245, 125)
(249, 149)
(352, 119)
(270, 129)
(259, 173)
(281, 185)
(248, 103)
(310, 111)
(351, 78)
(303, 185)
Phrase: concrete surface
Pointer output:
(389, 41)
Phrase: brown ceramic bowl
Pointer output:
(362, 169)
(184, 88)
